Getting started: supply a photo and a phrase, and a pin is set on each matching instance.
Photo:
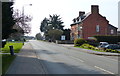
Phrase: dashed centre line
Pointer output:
(103, 70)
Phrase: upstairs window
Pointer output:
(97, 28)
(112, 31)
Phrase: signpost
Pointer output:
(63, 37)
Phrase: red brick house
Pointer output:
(90, 24)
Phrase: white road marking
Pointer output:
(77, 59)
(103, 69)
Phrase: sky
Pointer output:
(67, 9)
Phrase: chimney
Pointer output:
(94, 9)
(81, 13)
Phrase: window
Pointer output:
(97, 28)
(112, 31)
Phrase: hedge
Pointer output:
(109, 39)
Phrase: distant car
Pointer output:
(103, 44)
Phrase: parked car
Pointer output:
(103, 44)
(112, 46)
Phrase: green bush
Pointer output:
(113, 51)
(88, 46)
(79, 42)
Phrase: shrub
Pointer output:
(79, 42)
(108, 50)
(113, 51)
(88, 46)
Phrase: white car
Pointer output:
(103, 44)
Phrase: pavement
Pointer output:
(26, 62)
(71, 46)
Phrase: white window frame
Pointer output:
(112, 31)
(97, 28)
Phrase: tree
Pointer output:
(48, 25)
(55, 34)
(7, 19)
(56, 22)
(39, 36)
(22, 21)
(44, 25)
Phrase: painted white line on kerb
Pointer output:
(103, 70)
(77, 59)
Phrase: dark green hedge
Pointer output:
(109, 39)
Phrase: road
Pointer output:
(56, 59)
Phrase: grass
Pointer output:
(7, 58)
(16, 46)
(89, 49)
(0, 64)
(6, 61)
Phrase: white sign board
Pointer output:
(91, 38)
(63, 37)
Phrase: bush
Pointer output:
(113, 51)
(88, 46)
(79, 42)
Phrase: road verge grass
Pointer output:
(89, 49)
(16, 46)
(6, 61)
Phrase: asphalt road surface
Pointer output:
(56, 59)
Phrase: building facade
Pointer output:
(90, 24)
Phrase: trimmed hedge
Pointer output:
(109, 39)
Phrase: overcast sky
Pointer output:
(67, 9)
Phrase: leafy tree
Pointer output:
(7, 19)
(44, 25)
(39, 36)
(48, 25)
(56, 22)
(55, 34)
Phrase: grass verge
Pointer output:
(6, 61)
(89, 49)
(16, 46)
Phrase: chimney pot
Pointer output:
(81, 13)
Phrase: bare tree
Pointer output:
(22, 21)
